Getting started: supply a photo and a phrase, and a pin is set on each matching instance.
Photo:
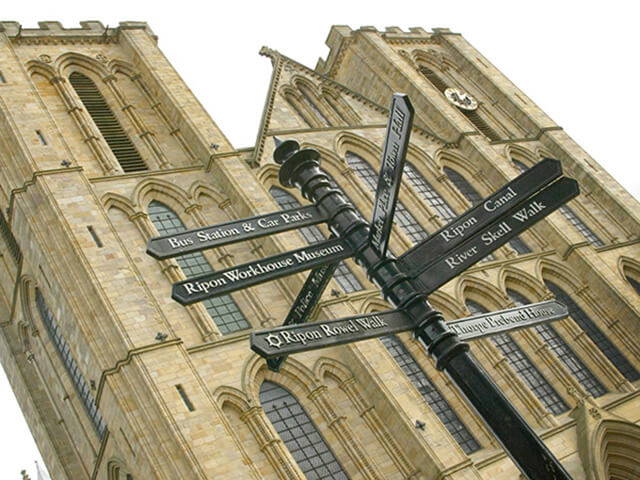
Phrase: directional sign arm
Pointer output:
(305, 302)
(479, 216)
(433, 274)
(219, 283)
(168, 246)
(392, 165)
(488, 324)
(311, 336)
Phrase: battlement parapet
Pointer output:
(89, 29)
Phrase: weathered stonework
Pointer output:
(179, 397)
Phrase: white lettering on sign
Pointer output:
(217, 233)
(259, 268)
(398, 122)
(459, 258)
(458, 230)
(492, 205)
(529, 211)
(278, 339)
(500, 322)
(492, 235)
(305, 256)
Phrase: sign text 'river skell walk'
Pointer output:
(433, 273)
(476, 218)
(392, 165)
(404, 282)
(301, 338)
(198, 239)
(215, 284)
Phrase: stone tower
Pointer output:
(103, 146)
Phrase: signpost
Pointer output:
(290, 339)
(311, 336)
(487, 324)
(393, 156)
(403, 282)
(434, 273)
(481, 215)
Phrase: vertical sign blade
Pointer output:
(393, 155)
(306, 300)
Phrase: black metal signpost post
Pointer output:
(404, 282)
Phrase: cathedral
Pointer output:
(104, 147)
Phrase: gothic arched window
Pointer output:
(634, 283)
(124, 150)
(407, 222)
(523, 366)
(570, 215)
(70, 364)
(312, 234)
(223, 309)
(434, 78)
(595, 334)
(565, 354)
(430, 393)
(310, 101)
(299, 434)
(473, 197)
(432, 197)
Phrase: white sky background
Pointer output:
(578, 61)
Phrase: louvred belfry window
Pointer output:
(120, 144)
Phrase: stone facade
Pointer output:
(118, 381)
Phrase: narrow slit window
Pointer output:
(95, 236)
(2, 79)
(40, 135)
(185, 398)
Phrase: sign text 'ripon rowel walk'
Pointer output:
(291, 339)
(404, 282)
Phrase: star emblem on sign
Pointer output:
(274, 340)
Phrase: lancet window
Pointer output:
(523, 367)
(223, 309)
(595, 334)
(565, 354)
(367, 174)
(120, 144)
(570, 215)
(430, 393)
(299, 434)
(70, 364)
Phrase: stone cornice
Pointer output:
(127, 360)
